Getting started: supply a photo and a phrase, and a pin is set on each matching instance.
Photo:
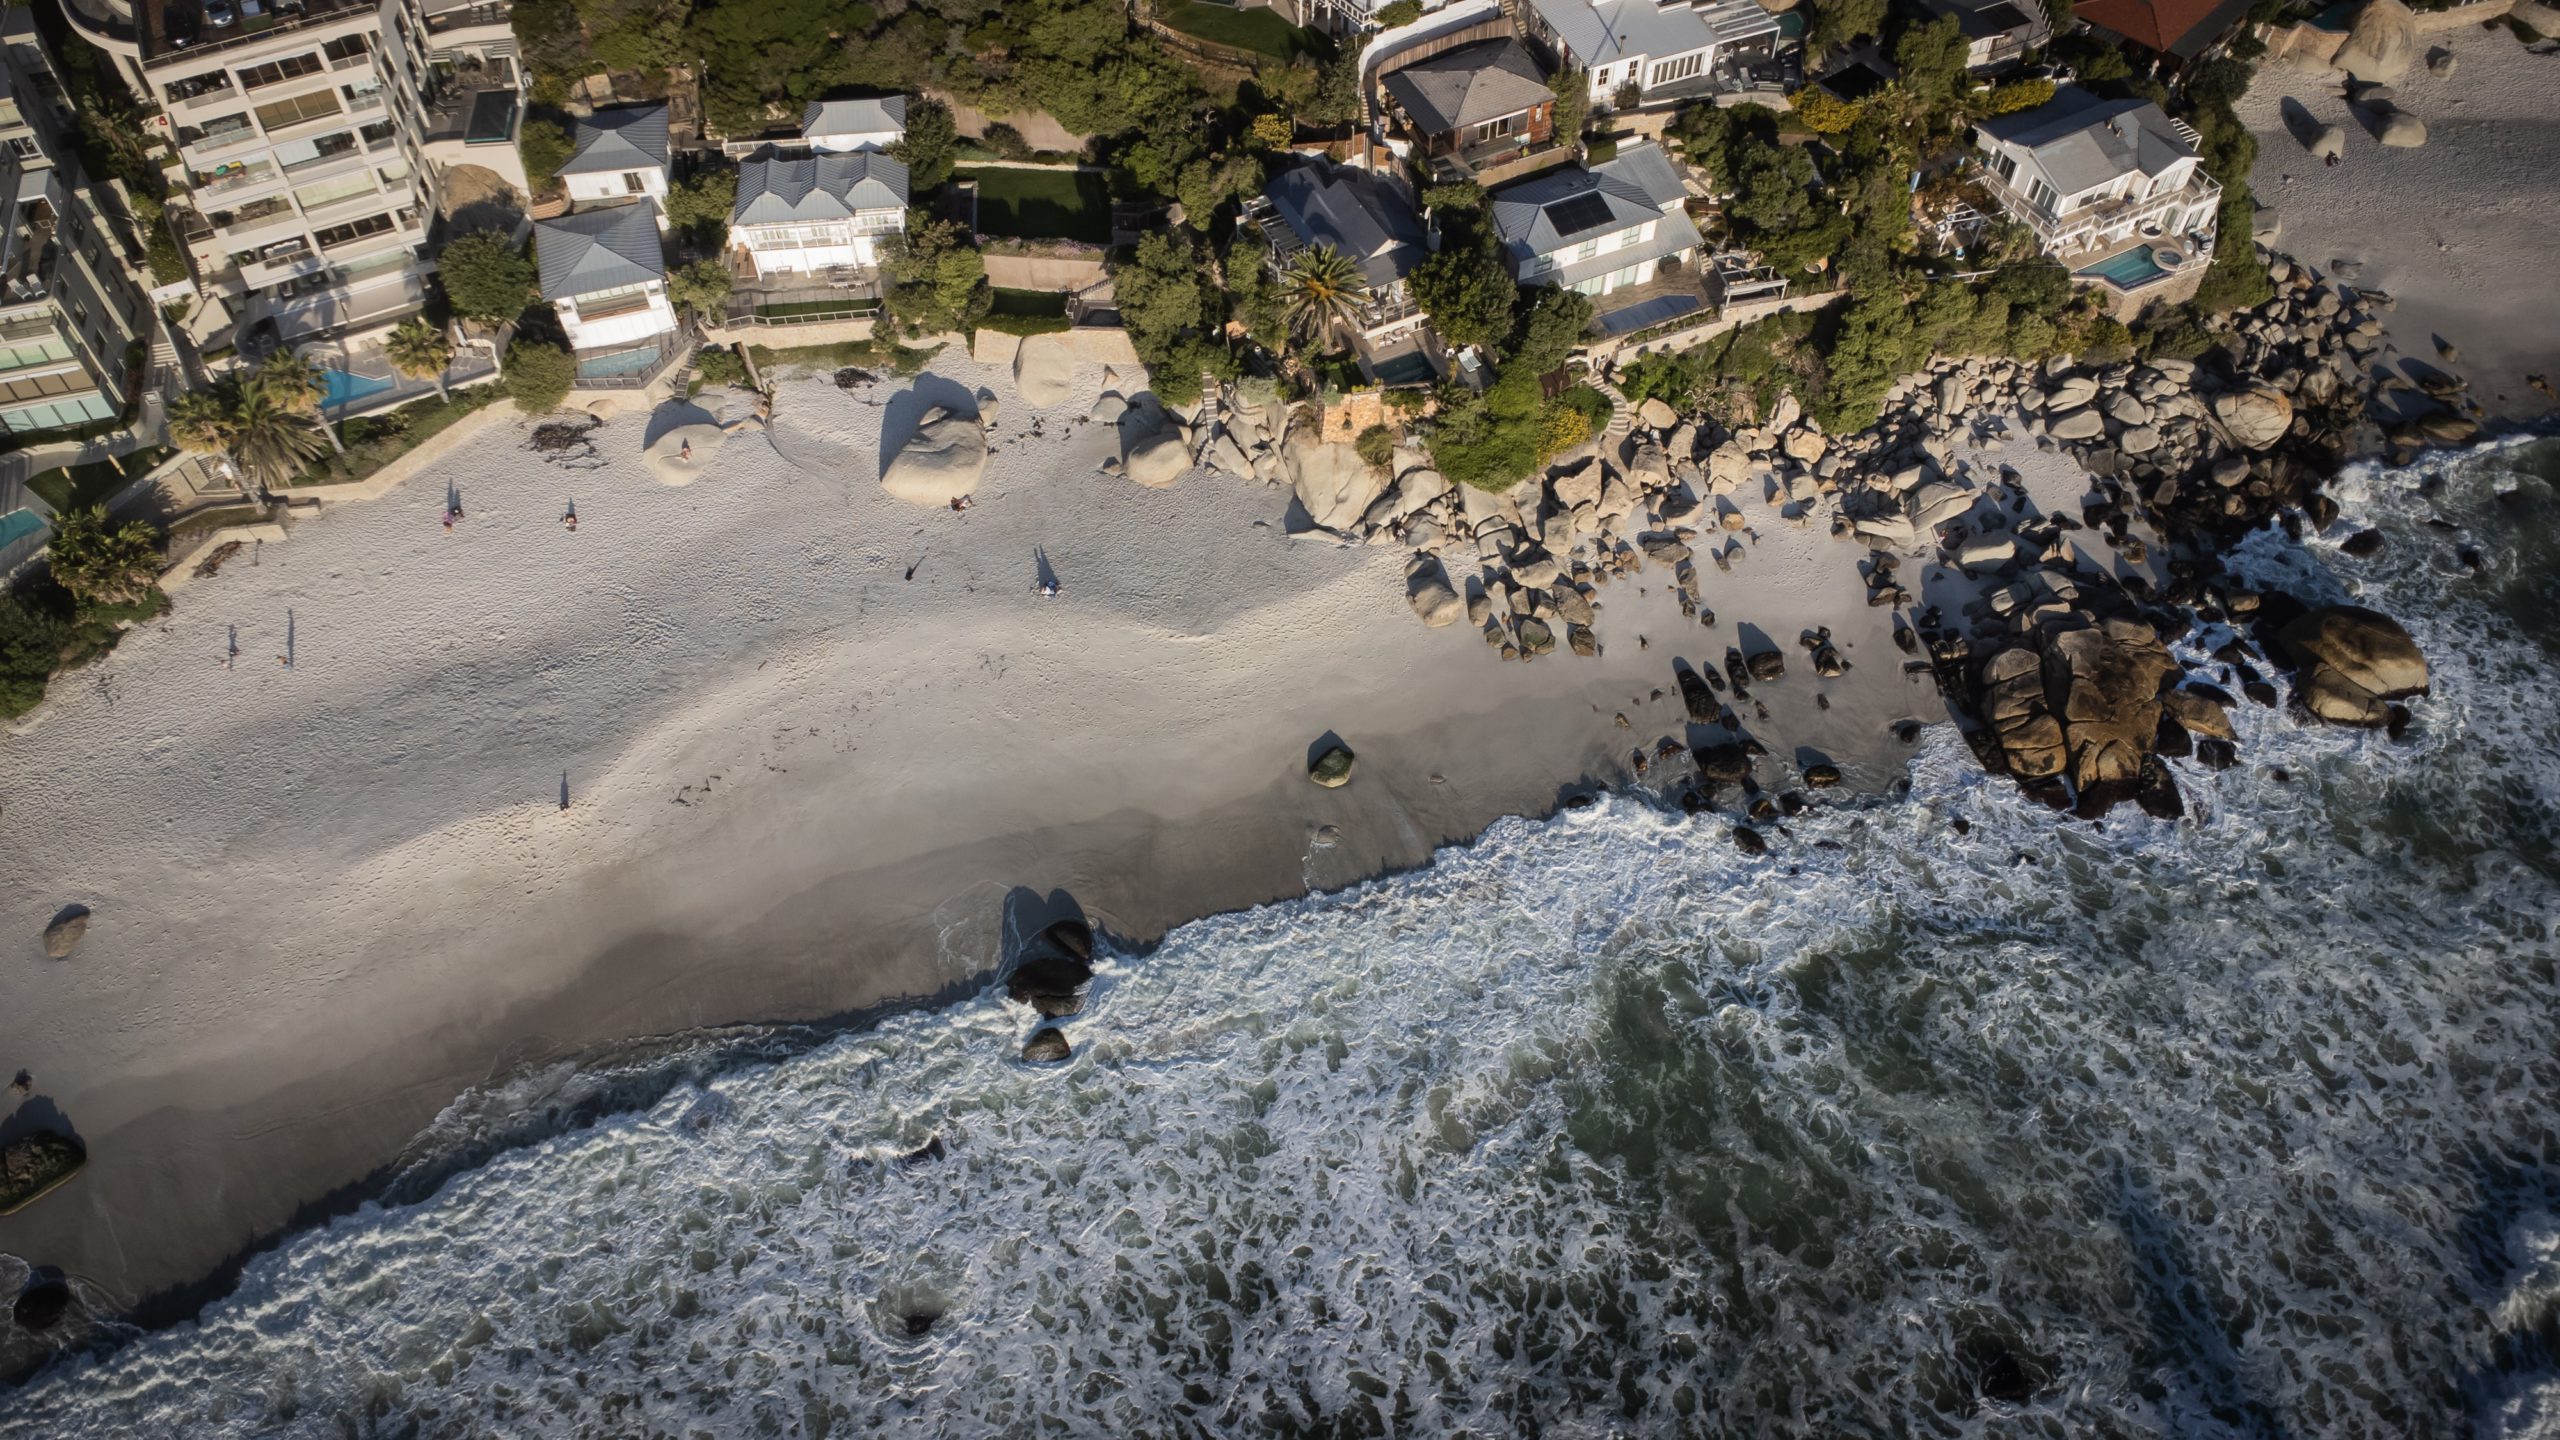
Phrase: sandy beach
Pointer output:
(808, 737)
(2458, 231)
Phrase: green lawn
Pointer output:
(848, 306)
(1043, 204)
(1261, 30)
(1028, 312)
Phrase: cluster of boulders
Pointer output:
(1049, 974)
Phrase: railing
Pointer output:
(238, 180)
(2074, 229)
(316, 13)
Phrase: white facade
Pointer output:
(854, 242)
(1598, 230)
(617, 319)
(1656, 47)
(308, 188)
(643, 183)
(2088, 175)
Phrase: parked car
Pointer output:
(221, 14)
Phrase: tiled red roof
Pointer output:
(2171, 27)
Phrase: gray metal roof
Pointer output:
(586, 251)
(854, 117)
(2081, 141)
(1550, 213)
(1362, 215)
(809, 189)
(1469, 86)
(1609, 31)
(626, 137)
(1735, 21)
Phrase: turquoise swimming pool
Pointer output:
(340, 388)
(17, 525)
(2129, 271)
(618, 362)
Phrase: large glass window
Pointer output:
(354, 230)
(301, 109)
(275, 71)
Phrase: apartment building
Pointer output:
(74, 317)
(312, 140)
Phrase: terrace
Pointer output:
(2085, 229)
(172, 31)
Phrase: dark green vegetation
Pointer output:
(1495, 440)
(486, 277)
(539, 376)
(374, 441)
(99, 575)
(1027, 312)
(1042, 204)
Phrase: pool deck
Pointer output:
(2126, 301)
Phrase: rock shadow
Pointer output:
(35, 1113)
(905, 412)
(2299, 122)
(672, 416)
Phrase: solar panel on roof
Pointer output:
(1575, 214)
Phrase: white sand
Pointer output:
(2465, 231)
(328, 898)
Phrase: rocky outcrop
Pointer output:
(942, 461)
(1331, 481)
(2381, 41)
(1044, 370)
(2400, 130)
(63, 935)
(1332, 768)
(2350, 663)
(2255, 418)
(1427, 589)
(1047, 1046)
(33, 1165)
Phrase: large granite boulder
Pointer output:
(1043, 370)
(63, 935)
(1331, 481)
(2254, 418)
(2381, 41)
(2401, 130)
(2030, 739)
(2104, 685)
(2328, 143)
(2350, 662)
(1434, 599)
(1332, 769)
(942, 461)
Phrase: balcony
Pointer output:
(189, 97)
(2088, 227)
(360, 203)
(238, 182)
(469, 23)
(316, 16)
(262, 231)
(201, 153)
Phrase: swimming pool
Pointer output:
(1410, 368)
(2130, 270)
(340, 388)
(17, 525)
(619, 362)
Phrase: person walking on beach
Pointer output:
(232, 654)
(569, 517)
(448, 519)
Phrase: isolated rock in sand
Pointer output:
(1335, 485)
(63, 935)
(1427, 587)
(2255, 418)
(1332, 769)
(2350, 662)
(681, 455)
(34, 1164)
(1042, 371)
(2440, 63)
(2402, 131)
(2329, 144)
(2381, 41)
(940, 462)
(1159, 449)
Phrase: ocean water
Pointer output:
(2237, 1126)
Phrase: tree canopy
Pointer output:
(486, 278)
(103, 562)
(937, 281)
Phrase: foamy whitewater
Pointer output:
(2237, 1126)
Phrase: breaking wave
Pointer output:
(2237, 1126)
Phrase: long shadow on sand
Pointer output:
(675, 415)
(905, 411)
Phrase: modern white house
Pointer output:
(604, 270)
(817, 213)
(619, 153)
(2112, 188)
(1667, 51)
(847, 127)
(1597, 230)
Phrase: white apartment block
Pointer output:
(74, 316)
(312, 140)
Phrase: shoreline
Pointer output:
(806, 744)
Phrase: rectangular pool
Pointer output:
(17, 525)
(2130, 270)
(340, 388)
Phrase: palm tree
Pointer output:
(200, 421)
(271, 437)
(294, 383)
(1319, 287)
(421, 350)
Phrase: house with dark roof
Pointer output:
(2174, 34)
(846, 127)
(2099, 181)
(1997, 33)
(1597, 229)
(605, 272)
(1480, 102)
(617, 154)
(817, 213)
(1368, 216)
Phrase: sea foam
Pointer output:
(2241, 1125)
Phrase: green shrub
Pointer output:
(1376, 445)
(485, 277)
(719, 365)
(1398, 12)
(539, 376)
